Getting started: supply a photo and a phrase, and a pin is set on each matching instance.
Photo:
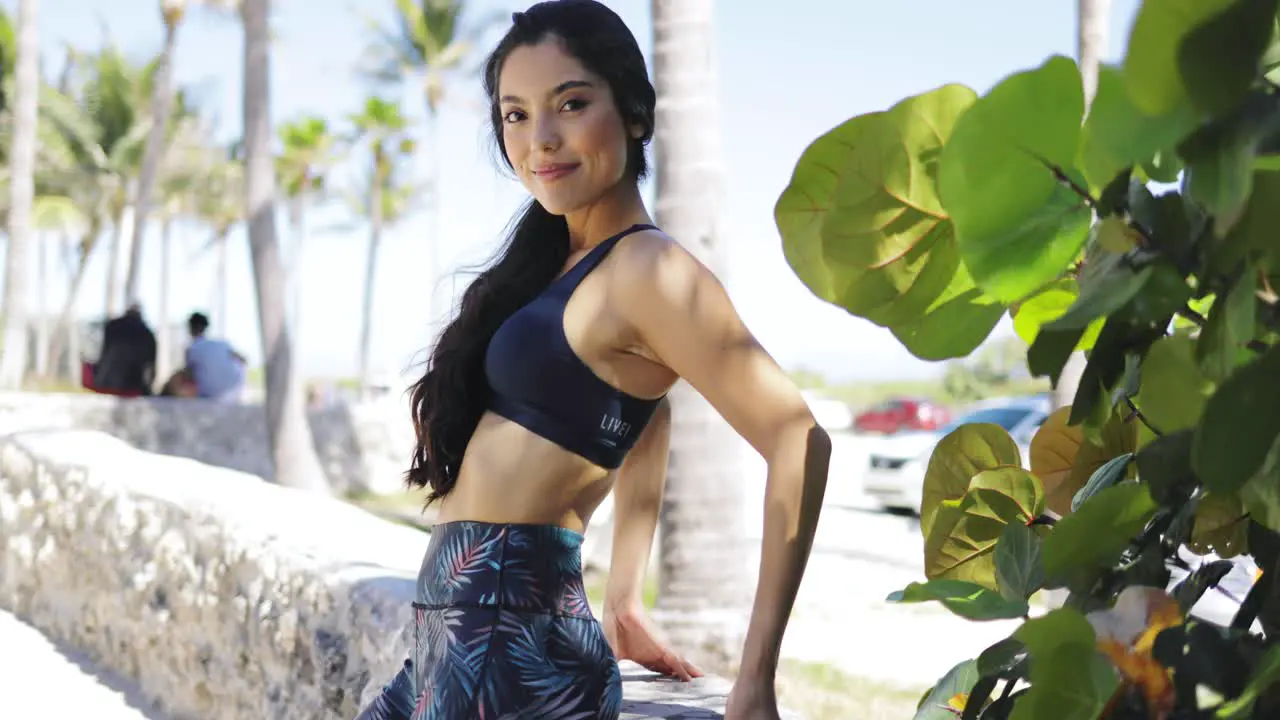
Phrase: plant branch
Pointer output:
(1135, 412)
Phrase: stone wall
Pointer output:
(221, 595)
(362, 447)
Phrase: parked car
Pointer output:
(831, 414)
(894, 476)
(899, 414)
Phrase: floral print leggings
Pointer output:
(503, 631)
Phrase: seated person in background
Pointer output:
(217, 370)
(179, 384)
(127, 363)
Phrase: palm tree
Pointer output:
(382, 127)
(704, 588)
(53, 216)
(427, 47)
(219, 204)
(309, 151)
(294, 453)
(173, 12)
(22, 158)
(90, 144)
(188, 163)
(1093, 17)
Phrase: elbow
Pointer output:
(803, 438)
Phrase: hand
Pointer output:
(633, 637)
(752, 699)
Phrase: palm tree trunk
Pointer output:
(220, 282)
(22, 166)
(705, 583)
(123, 228)
(370, 270)
(298, 221)
(42, 306)
(65, 329)
(1091, 43)
(296, 462)
(164, 340)
(152, 154)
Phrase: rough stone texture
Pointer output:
(221, 595)
(362, 447)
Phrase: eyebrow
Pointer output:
(562, 87)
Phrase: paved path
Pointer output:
(43, 679)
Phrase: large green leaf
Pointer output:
(962, 540)
(1221, 526)
(1111, 472)
(1108, 282)
(1239, 425)
(1032, 314)
(1265, 674)
(1164, 465)
(1093, 536)
(1230, 326)
(1070, 679)
(1261, 495)
(959, 680)
(886, 200)
(1174, 390)
(1219, 60)
(1117, 134)
(956, 323)
(960, 456)
(1221, 157)
(1151, 63)
(863, 229)
(1017, 224)
(1019, 570)
(966, 599)
(1254, 233)
(803, 206)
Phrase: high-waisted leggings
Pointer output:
(503, 630)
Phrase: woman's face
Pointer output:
(561, 127)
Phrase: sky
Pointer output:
(785, 77)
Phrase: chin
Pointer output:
(563, 205)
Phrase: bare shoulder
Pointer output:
(683, 318)
(653, 266)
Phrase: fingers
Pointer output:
(678, 667)
(692, 669)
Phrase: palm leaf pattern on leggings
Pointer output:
(475, 551)
(504, 631)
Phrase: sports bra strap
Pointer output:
(583, 268)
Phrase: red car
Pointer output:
(900, 414)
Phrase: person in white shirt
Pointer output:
(217, 370)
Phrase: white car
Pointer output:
(830, 413)
(894, 476)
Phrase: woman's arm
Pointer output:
(637, 498)
(683, 316)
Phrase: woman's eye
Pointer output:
(513, 116)
(573, 104)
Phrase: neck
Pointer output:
(615, 211)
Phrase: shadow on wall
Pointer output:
(363, 447)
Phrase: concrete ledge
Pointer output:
(361, 446)
(221, 595)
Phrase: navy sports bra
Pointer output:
(536, 379)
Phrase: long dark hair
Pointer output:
(449, 400)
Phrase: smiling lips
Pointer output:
(555, 171)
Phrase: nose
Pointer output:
(546, 133)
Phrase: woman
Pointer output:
(549, 387)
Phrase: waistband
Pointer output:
(523, 567)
